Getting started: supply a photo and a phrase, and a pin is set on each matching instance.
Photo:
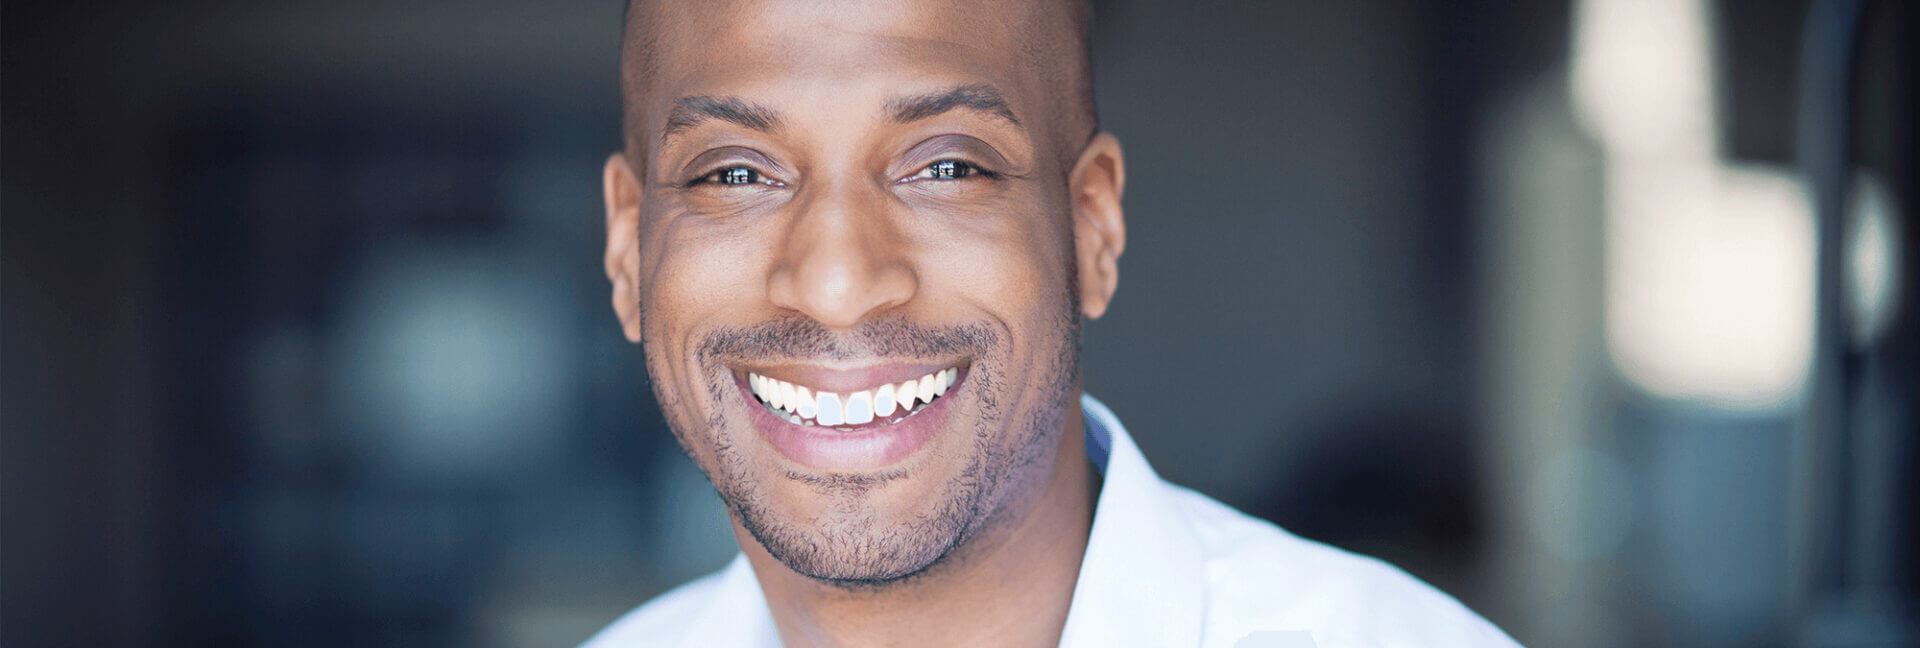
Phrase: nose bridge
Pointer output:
(841, 261)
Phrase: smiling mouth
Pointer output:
(885, 404)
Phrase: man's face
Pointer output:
(835, 214)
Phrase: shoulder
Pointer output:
(1261, 578)
(664, 621)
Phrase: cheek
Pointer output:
(693, 270)
(1011, 263)
(695, 275)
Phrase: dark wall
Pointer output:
(1293, 332)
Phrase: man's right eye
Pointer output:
(731, 176)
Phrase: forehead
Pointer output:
(816, 52)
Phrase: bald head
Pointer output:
(1045, 43)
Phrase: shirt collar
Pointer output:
(739, 616)
(1141, 581)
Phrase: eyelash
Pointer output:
(951, 169)
(719, 177)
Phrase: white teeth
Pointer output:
(828, 410)
(906, 393)
(800, 405)
(803, 402)
(860, 408)
(883, 400)
(927, 390)
(763, 387)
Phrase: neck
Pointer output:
(1010, 585)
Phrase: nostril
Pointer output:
(842, 296)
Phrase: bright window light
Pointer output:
(1641, 77)
(1709, 266)
(1709, 282)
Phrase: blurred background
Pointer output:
(1598, 314)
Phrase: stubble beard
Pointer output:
(850, 545)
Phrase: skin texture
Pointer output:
(845, 253)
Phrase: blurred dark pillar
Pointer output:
(1857, 478)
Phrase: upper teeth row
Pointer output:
(858, 408)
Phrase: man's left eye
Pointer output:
(949, 170)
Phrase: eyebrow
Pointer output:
(689, 111)
(979, 96)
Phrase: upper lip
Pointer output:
(845, 380)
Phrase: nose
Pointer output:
(843, 259)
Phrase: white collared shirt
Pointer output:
(1165, 566)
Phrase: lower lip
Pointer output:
(864, 449)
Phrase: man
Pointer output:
(857, 241)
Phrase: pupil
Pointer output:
(736, 176)
(946, 169)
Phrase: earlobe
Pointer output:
(1097, 183)
(622, 191)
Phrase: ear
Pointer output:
(623, 238)
(1099, 226)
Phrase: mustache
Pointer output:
(800, 337)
